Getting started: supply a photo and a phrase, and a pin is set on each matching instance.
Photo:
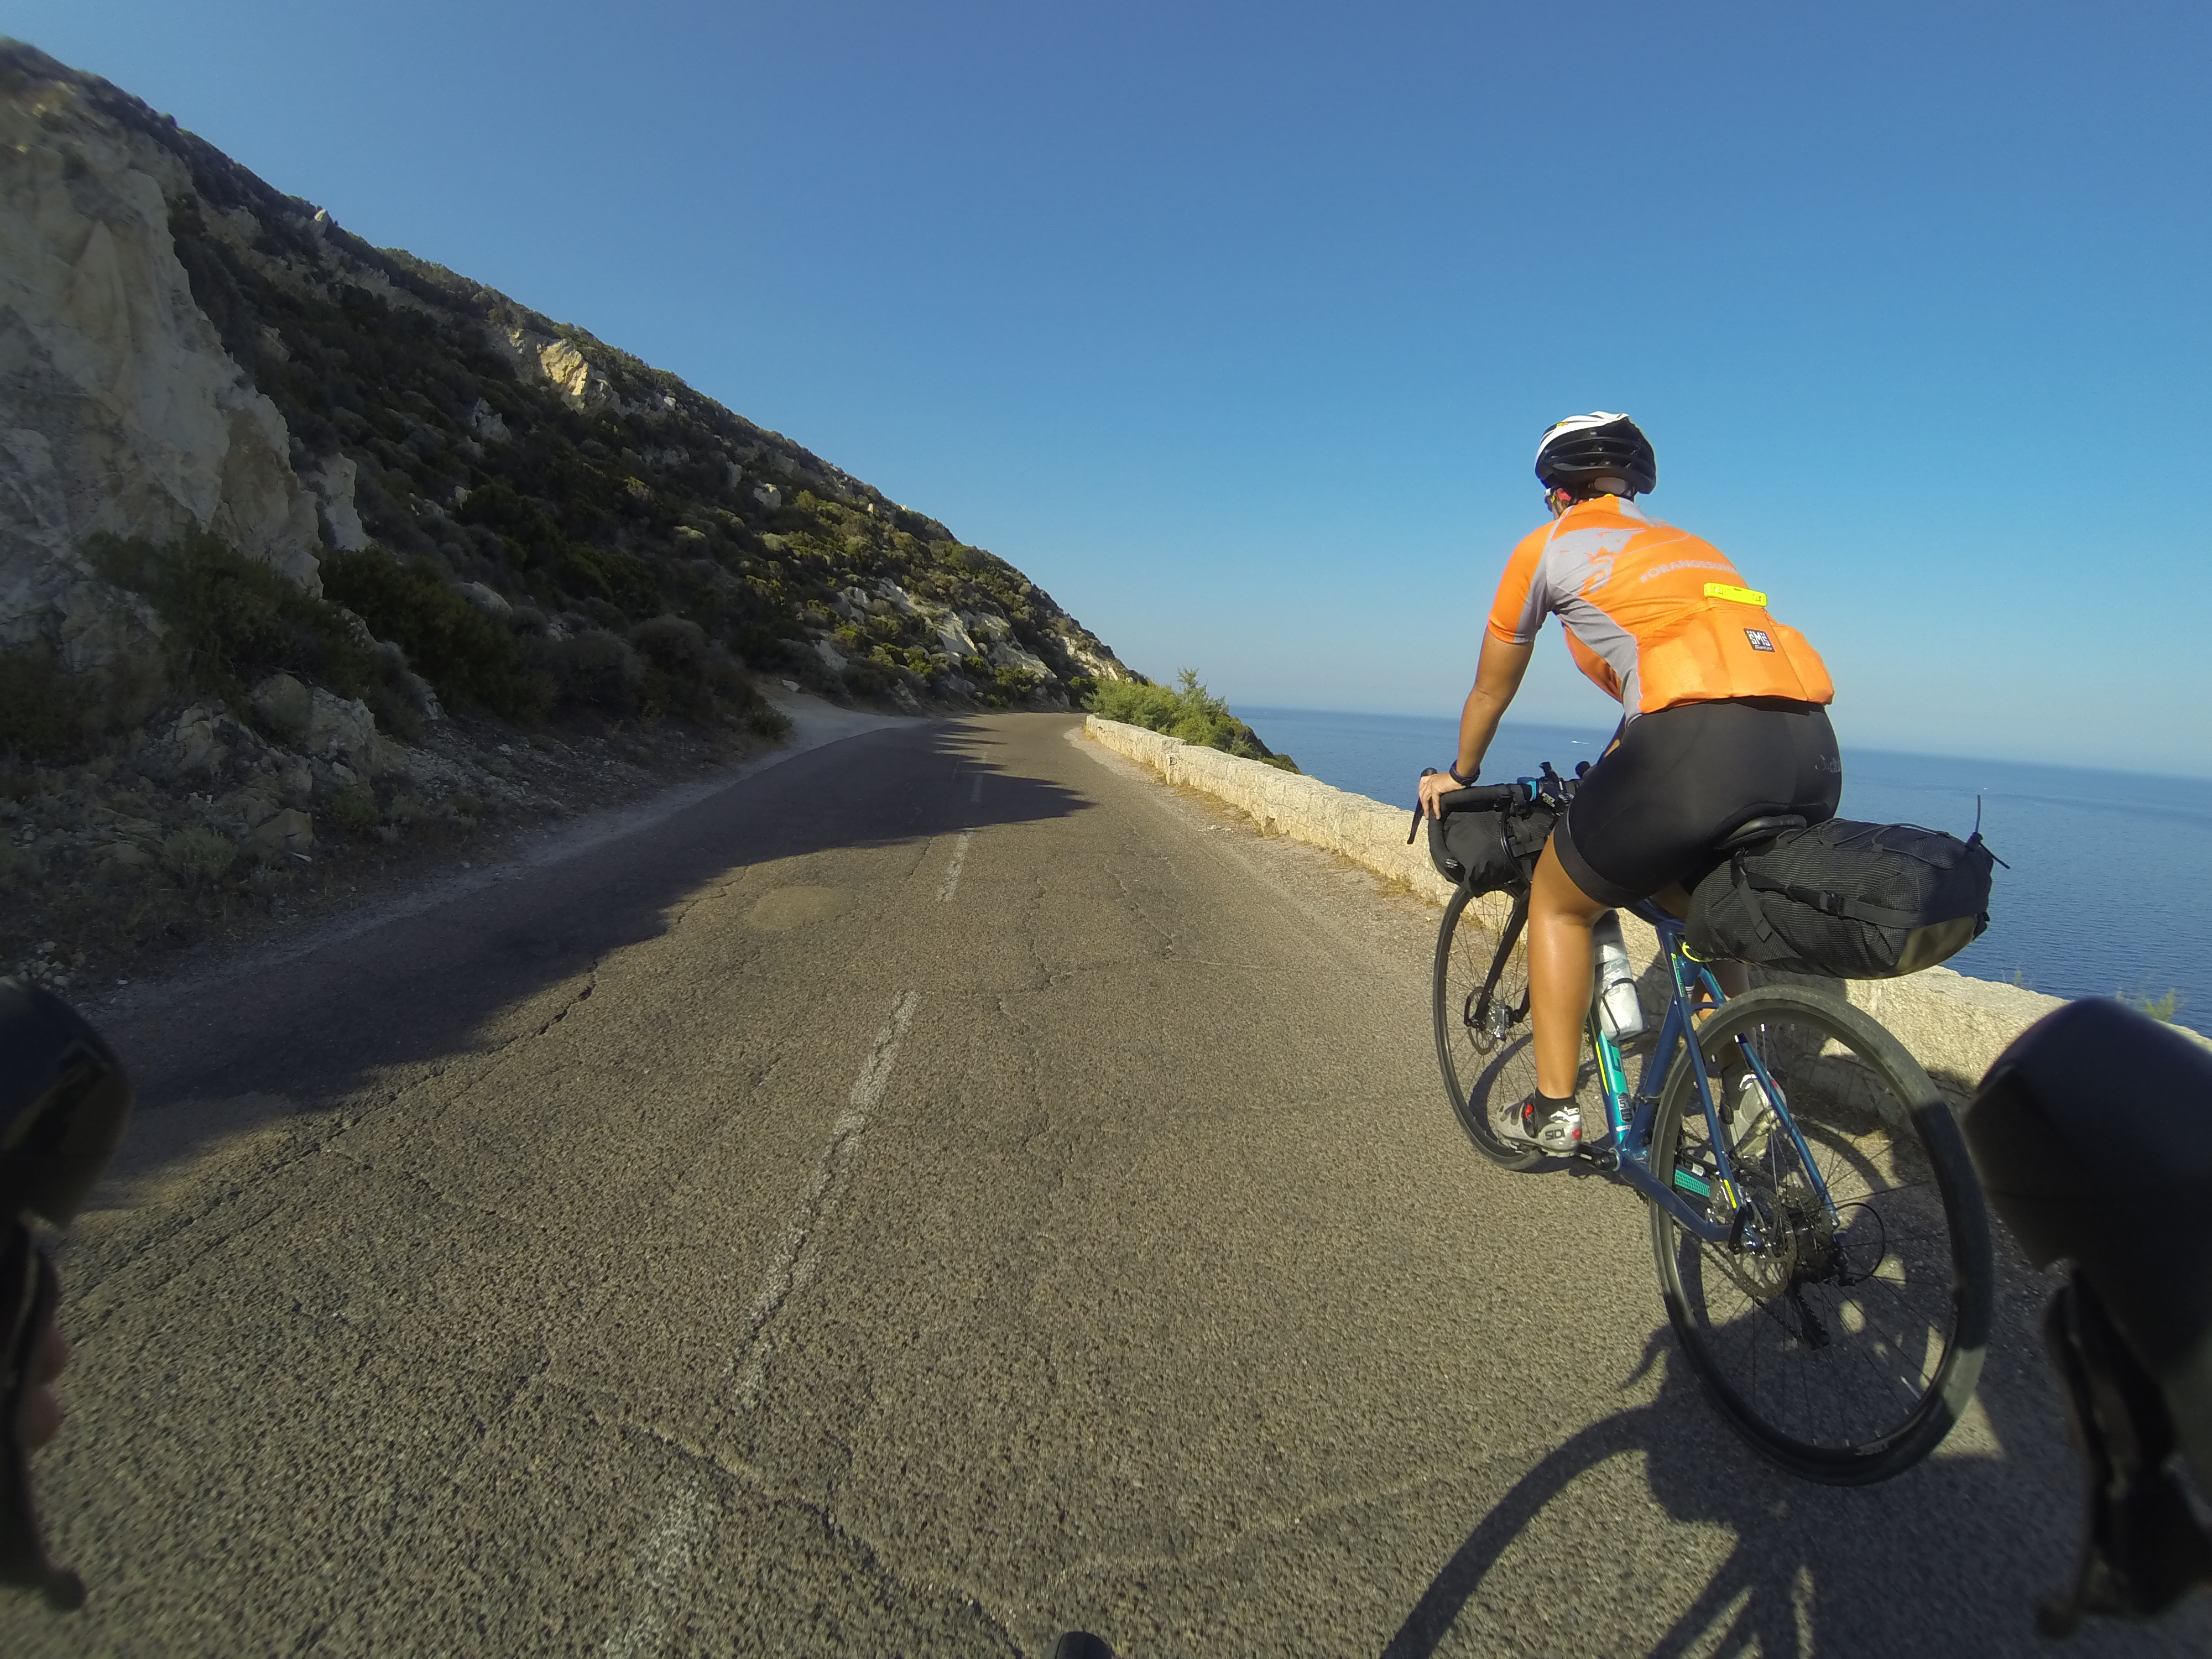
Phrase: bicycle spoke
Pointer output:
(1832, 1333)
(1481, 1015)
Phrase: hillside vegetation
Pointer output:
(1186, 710)
(316, 553)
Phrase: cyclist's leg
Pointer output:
(1559, 971)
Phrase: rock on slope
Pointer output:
(182, 348)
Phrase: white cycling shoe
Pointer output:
(1517, 1125)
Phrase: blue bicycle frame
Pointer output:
(1625, 1148)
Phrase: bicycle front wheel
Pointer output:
(1482, 1008)
(1843, 1338)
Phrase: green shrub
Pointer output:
(198, 857)
(1188, 711)
(353, 809)
(621, 580)
(520, 521)
(38, 715)
(1155, 707)
(2163, 1007)
(679, 668)
(230, 620)
(593, 669)
(468, 658)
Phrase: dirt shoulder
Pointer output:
(119, 876)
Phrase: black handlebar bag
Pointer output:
(1492, 852)
(1845, 900)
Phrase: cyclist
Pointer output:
(1723, 719)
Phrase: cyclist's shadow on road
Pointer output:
(1949, 1557)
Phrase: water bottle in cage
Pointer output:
(1619, 1008)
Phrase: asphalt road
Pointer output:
(942, 1189)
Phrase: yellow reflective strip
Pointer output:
(1739, 595)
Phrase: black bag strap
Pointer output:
(1740, 878)
(1837, 904)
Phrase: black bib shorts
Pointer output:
(1648, 813)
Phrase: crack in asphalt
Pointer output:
(792, 1266)
(416, 1179)
(871, 1553)
(167, 1226)
(591, 984)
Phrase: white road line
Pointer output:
(952, 871)
(661, 1559)
(793, 1267)
(976, 793)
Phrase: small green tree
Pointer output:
(1188, 711)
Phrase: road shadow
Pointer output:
(1825, 1570)
(295, 1030)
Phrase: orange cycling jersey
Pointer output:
(1652, 614)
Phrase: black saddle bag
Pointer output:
(1492, 852)
(1849, 901)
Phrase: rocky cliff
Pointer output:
(276, 507)
(186, 349)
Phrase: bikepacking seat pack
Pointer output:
(1494, 851)
(1845, 900)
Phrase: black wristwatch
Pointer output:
(1453, 773)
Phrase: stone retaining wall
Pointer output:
(1954, 1025)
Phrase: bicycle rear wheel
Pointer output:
(1843, 1344)
(1481, 1009)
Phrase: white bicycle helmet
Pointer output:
(1582, 449)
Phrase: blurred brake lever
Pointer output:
(1426, 772)
(63, 1102)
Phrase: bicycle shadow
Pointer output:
(1949, 1558)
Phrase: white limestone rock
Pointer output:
(341, 729)
(488, 424)
(333, 480)
(540, 356)
(120, 412)
(284, 704)
(489, 600)
(1007, 655)
(952, 633)
(288, 833)
(1094, 659)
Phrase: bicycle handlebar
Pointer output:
(1479, 798)
(1482, 798)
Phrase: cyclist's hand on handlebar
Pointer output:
(1434, 786)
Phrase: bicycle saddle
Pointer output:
(2092, 1135)
(1751, 831)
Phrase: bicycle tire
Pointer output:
(1878, 1275)
(1481, 1064)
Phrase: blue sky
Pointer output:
(1235, 326)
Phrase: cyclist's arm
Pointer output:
(1496, 677)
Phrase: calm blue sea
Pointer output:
(2109, 888)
